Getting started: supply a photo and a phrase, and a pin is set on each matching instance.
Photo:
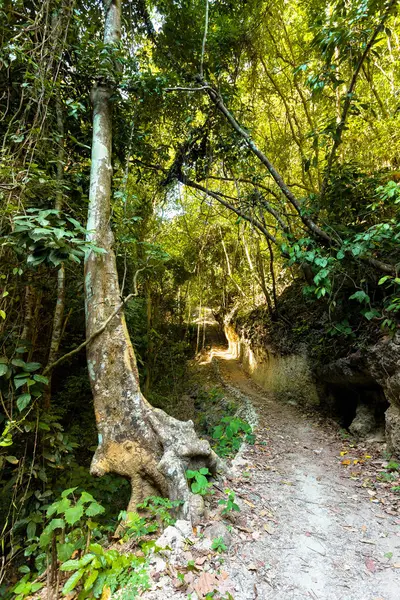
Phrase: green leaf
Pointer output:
(2, 314)
(32, 366)
(19, 382)
(41, 379)
(65, 551)
(72, 582)
(86, 498)
(360, 296)
(74, 514)
(67, 492)
(31, 530)
(23, 401)
(17, 362)
(63, 505)
(90, 580)
(94, 509)
(12, 459)
(383, 279)
(71, 565)
(24, 569)
(3, 369)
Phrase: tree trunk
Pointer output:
(58, 316)
(136, 441)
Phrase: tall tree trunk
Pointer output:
(58, 316)
(137, 441)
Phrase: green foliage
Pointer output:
(44, 236)
(99, 569)
(230, 434)
(70, 525)
(161, 509)
(200, 485)
(229, 503)
(393, 466)
(218, 545)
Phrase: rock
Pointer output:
(157, 563)
(218, 530)
(393, 428)
(364, 421)
(197, 508)
(171, 538)
(184, 527)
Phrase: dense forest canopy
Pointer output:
(163, 157)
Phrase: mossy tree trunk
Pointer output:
(137, 441)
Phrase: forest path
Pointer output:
(311, 532)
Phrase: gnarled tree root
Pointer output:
(159, 467)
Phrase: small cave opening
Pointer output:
(357, 408)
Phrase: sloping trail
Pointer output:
(321, 537)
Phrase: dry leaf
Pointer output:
(369, 563)
(250, 503)
(346, 462)
(396, 566)
(201, 560)
(206, 584)
(268, 528)
(252, 567)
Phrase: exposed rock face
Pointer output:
(288, 377)
(361, 384)
(378, 364)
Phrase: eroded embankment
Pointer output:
(360, 390)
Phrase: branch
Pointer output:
(349, 95)
(94, 335)
(186, 89)
(203, 46)
(186, 181)
(218, 102)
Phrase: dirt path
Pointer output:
(311, 533)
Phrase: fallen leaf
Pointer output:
(206, 584)
(268, 528)
(250, 503)
(343, 453)
(201, 560)
(252, 567)
(369, 563)
(224, 575)
(346, 462)
(396, 566)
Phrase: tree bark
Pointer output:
(58, 316)
(136, 441)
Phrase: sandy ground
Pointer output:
(313, 534)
